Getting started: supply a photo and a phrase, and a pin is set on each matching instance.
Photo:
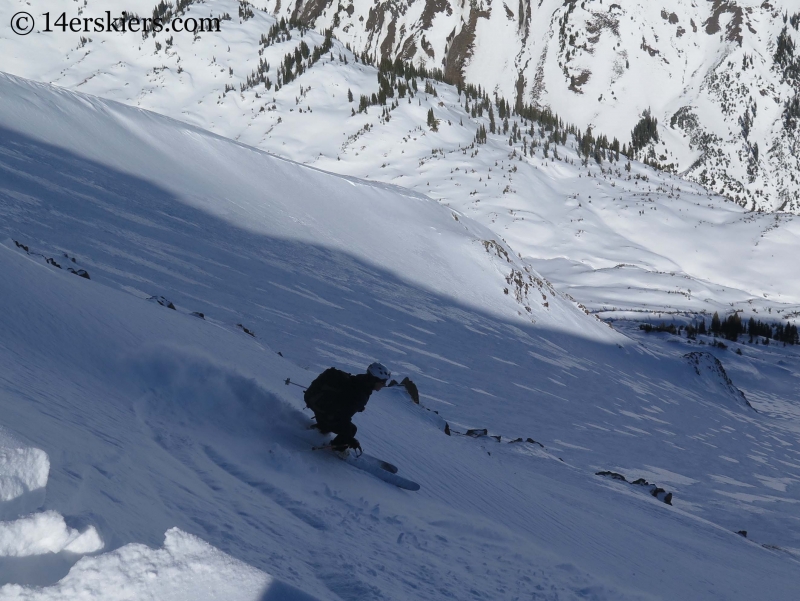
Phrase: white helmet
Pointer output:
(379, 371)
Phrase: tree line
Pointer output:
(731, 327)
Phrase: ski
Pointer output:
(385, 465)
(372, 465)
(389, 467)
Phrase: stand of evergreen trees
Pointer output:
(731, 328)
(295, 63)
(401, 76)
(662, 327)
(644, 132)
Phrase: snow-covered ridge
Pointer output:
(517, 288)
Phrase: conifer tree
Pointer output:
(432, 120)
(480, 135)
(715, 324)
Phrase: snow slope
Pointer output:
(155, 419)
(639, 243)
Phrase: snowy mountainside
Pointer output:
(456, 242)
(709, 71)
(624, 243)
(155, 419)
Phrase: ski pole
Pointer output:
(288, 381)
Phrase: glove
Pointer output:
(354, 444)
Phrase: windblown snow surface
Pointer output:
(151, 453)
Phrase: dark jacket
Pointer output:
(336, 395)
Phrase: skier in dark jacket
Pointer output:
(336, 396)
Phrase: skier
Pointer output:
(336, 396)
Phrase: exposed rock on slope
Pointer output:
(710, 369)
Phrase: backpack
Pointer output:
(324, 390)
